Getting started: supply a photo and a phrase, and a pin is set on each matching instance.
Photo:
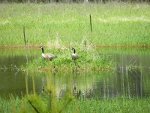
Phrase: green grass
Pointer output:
(113, 24)
(107, 106)
(90, 60)
(117, 105)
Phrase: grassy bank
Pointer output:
(113, 24)
(107, 106)
(76, 106)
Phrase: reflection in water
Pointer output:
(129, 74)
(129, 82)
(12, 78)
(12, 83)
(130, 79)
(136, 76)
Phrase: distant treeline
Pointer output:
(69, 1)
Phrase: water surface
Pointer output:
(131, 77)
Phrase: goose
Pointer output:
(47, 56)
(74, 55)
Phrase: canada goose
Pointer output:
(74, 55)
(47, 56)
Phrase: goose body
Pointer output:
(47, 56)
(74, 55)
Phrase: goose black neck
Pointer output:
(42, 50)
(74, 51)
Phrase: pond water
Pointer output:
(131, 77)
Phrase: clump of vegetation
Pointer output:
(89, 60)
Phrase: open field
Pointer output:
(69, 24)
